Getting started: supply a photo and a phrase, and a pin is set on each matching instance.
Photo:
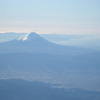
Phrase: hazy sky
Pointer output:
(50, 16)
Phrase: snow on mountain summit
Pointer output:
(28, 36)
(24, 37)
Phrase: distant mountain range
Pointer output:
(51, 37)
(32, 57)
(83, 40)
(36, 44)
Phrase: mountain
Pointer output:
(4, 37)
(32, 57)
(33, 43)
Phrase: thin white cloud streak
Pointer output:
(57, 28)
(50, 30)
(87, 42)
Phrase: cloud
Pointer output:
(87, 42)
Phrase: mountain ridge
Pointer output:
(34, 43)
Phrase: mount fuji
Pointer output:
(33, 43)
(32, 57)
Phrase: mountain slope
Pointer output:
(36, 44)
(33, 58)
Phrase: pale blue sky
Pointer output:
(50, 16)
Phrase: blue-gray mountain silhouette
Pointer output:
(33, 56)
(36, 44)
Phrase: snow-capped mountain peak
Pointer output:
(24, 37)
(29, 36)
